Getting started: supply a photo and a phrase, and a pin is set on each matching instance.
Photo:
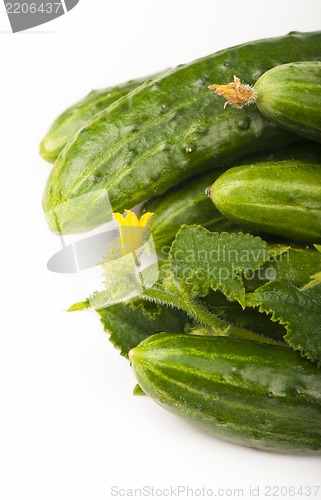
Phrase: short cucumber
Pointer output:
(290, 95)
(74, 118)
(186, 203)
(166, 131)
(281, 198)
(246, 392)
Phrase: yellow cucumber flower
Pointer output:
(131, 230)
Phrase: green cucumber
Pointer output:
(186, 203)
(249, 393)
(281, 198)
(166, 131)
(290, 95)
(77, 116)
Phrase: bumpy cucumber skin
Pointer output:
(290, 95)
(249, 393)
(77, 116)
(281, 198)
(169, 130)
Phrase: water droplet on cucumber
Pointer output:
(245, 123)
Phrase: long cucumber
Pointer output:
(166, 131)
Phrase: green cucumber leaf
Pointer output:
(297, 265)
(299, 311)
(294, 300)
(149, 309)
(128, 327)
(80, 306)
(249, 317)
(206, 260)
(281, 282)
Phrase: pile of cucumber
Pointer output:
(232, 346)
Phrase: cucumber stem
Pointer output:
(202, 316)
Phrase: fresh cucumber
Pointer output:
(74, 118)
(290, 95)
(281, 198)
(250, 393)
(166, 131)
(187, 204)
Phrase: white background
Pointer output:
(70, 427)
